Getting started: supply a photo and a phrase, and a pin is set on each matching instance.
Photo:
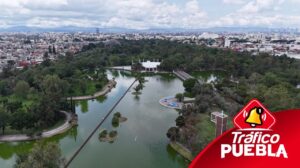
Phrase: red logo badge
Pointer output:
(254, 116)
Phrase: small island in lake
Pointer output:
(118, 118)
(104, 136)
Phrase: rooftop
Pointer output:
(149, 64)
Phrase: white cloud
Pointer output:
(259, 13)
(144, 14)
(139, 14)
(261, 6)
(235, 2)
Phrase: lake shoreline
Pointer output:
(46, 134)
(106, 89)
(183, 151)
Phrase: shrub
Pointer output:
(179, 97)
(117, 114)
(98, 86)
(115, 121)
(103, 134)
(113, 134)
(189, 84)
(180, 121)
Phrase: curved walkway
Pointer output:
(46, 134)
(64, 127)
(107, 88)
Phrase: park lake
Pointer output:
(141, 140)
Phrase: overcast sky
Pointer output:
(143, 14)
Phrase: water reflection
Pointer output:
(84, 106)
(10, 149)
(101, 99)
(143, 136)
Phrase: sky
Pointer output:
(145, 14)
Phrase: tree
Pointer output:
(4, 119)
(13, 106)
(138, 87)
(41, 156)
(22, 89)
(46, 59)
(18, 120)
(46, 55)
(46, 111)
(115, 121)
(5, 88)
(173, 133)
(179, 97)
(180, 121)
(140, 78)
(137, 66)
(270, 79)
(117, 114)
(54, 50)
(103, 134)
(189, 84)
(113, 134)
(279, 98)
(54, 87)
(50, 49)
(69, 56)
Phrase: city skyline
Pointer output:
(149, 14)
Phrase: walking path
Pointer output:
(122, 68)
(23, 137)
(64, 127)
(183, 75)
(107, 88)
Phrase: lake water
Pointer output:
(141, 140)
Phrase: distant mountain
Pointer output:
(152, 30)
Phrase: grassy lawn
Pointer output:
(90, 88)
(26, 102)
(206, 128)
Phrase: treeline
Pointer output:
(262, 76)
(38, 109)
(271, 79)
(31, 98)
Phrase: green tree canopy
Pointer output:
(189, 84)
(41, 156)
(22, 89)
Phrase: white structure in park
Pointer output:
(150, 66)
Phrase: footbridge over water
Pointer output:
(183, 75)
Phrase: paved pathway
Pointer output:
(183, 75)
(45, 134)
(104, 91)
(64, 127)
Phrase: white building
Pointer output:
(227, 43)
(150, 66)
